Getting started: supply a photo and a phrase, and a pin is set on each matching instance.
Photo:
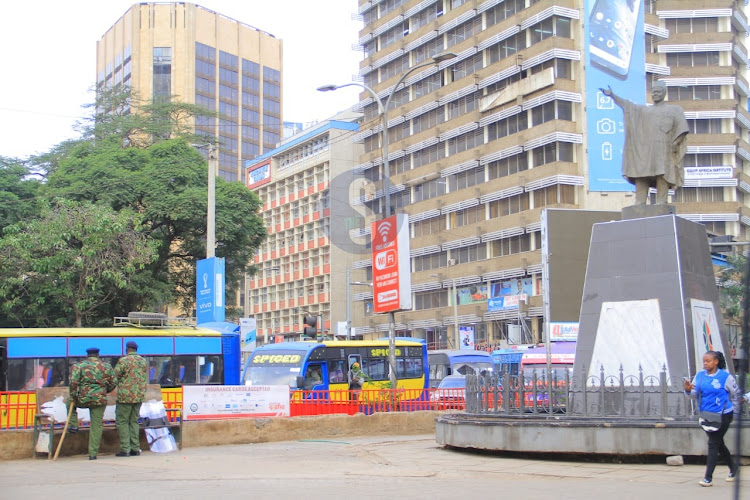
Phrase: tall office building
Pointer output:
(481, 144)
(305, 185)
(205, 58)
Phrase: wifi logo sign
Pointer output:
(384, 228)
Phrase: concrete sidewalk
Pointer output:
(357, 468)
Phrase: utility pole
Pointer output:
(213, 162)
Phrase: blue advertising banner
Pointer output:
(209, 290)
(615, 57)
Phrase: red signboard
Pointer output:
(391, 277)
(257, 175)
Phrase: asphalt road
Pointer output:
(359, 468)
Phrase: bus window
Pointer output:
(375, 368)
(414, 367)
(313, 376)
(337, 372)
(210, 369)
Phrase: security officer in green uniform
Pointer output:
(132, 375)
(90, 381)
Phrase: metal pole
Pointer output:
(456, 336)
(387, 181)
(213, 159)
(348, 304)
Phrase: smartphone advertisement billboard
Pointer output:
(209, 290)
(391, 273)
(615, 57)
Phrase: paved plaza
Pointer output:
(351, 468)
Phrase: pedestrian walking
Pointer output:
(131, 373)
(90, 381)
(356, 379)
(718, 399)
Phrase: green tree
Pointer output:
(731, 279)
(167, 184)
(18, 189)
(62, 267)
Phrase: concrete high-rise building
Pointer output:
(481, 144)
(305, 185)
(201, 57)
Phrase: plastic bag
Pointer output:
(160, 440)
(42, 444)
(56, 409)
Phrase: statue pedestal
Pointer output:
(650, 303)
(643, 211)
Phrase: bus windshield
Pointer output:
(278, 367)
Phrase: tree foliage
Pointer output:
(136, 159)
(17, 192)
(731, 279)
(70, 261)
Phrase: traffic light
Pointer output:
(310, 324)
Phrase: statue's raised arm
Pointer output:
(655, 144)
(617, 99)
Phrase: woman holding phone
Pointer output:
(717, 392)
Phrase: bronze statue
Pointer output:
(655, 144)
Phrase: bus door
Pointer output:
(315, 379)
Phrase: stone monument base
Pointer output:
(643, 211)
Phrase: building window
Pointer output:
(467, 216)
(554, 151)
(705, 126)
(426, 16)
(428, 155)
(510, 246)
(162, 68)
(464, 142)
(465, 179)
(552, 26)
(694, 93)
(468, 66)
(551, 195)
(554, 110)
(506, 127)
(463, 31)
(692, 59)
(699, 195)
(504, 11)
(472, 253)
(432, 261)
(507, 47)
(507, 166)
(428, 120)
(429, 189)
(430, 300)
(509, 205)
(697, 25)
(205, 52)
(428, 226)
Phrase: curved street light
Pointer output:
(383, 108)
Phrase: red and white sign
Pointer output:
(391, 275)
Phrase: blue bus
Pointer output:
(324, 366)
(446, 362)
(31, 358)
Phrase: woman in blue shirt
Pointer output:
(716, 390)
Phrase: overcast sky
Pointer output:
(48, 60)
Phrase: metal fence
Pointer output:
(613, 396)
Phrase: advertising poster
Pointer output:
(209, 290)
(391, 274)
(466, 334)
(706, 335)
(563, 331)
(615, 57)
(208, 402)
(248, 334)
(508, 294)
(470, 294)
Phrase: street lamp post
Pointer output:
(213, 160)
(383, 108)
